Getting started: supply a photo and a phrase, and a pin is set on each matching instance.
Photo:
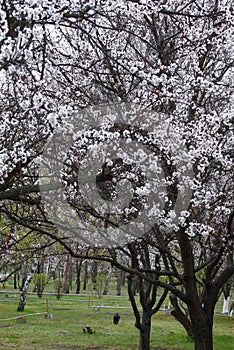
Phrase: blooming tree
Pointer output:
(172, 58)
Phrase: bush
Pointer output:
(40, 282)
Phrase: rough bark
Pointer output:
(145, 329)
(203, 336)
(201, 313)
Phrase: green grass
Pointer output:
(72, 313)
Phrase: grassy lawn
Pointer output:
(72, 313)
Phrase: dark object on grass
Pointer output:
(88, 330)
(21, 319)
(116, 318)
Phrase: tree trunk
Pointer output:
(202, 322)
(135, 286)
(181, 317)
(145, 328)
(85, 275)
(78, 273)
(41, 262)
(94, 271)
(15, 281)
(67, 275)
(226, 305)
(227, 296)
(23, 294)
(123, 275)
(230, 312)
(201, 316)
(106, 287)
(203, 337)
(119, 282)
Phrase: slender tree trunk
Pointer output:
(85, 275)
(78, 273)
(94, 272)
(181, 317)
(106, 287)
(226, 305)
(143, 322)
(15, 281)
(145, 329)
(41, 263)
(226, 299)
(201, 316)
(230, 312)
(119, 282)
(135, 286)
(24, 290)
(23, 294)
(67, 275)
(123, 276)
